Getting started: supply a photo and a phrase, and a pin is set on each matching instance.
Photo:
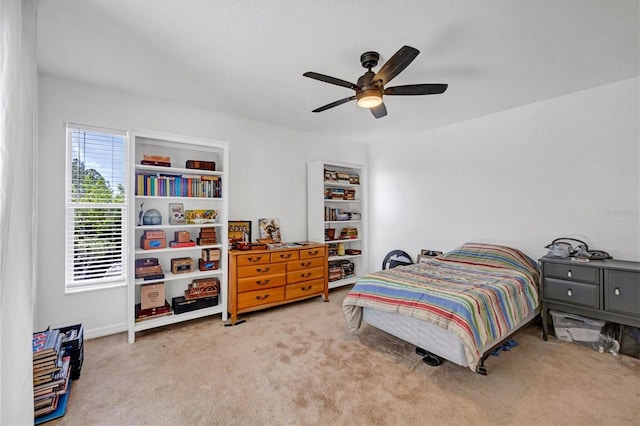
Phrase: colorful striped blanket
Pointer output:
(479, 298)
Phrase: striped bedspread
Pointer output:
(476, 300)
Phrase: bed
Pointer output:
(459, 306)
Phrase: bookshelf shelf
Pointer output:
(150, 253)
(346, 256)
(168, 276)
(176, 170)
(147, 324)
(324, 206)
(331, 222)
(155, 187)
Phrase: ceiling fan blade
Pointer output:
(379, 111)
(398, 62)
(334, 104)
(332, 80)
(416, 89)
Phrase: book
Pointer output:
(46, 370)
(142, 314)
(61, 408)
(45, 343)
(50, 359)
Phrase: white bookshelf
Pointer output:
(179, 149)
(319, 220)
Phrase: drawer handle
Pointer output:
(305, 264)
(254, 259)
(285, 256)
(267, 269)
(306, 275)
(313, 253)
(616, 291)
(262, 297)
(569, 293)
(569, 274)
(307, 288)
(260, 282)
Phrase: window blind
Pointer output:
(96, 207)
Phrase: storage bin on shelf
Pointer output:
(74, 348)
(576, 328)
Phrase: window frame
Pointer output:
(71, 283)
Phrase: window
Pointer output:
(96, 208)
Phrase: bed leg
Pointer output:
(428, 357)
(481, 369)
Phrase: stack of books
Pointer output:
(51, 372)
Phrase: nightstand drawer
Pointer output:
(622, 292)
(573, 272)
(572, 292)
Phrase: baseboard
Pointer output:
(94, 333)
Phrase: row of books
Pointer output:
(51, 369)
(331, 214)
(339, 194)
(178, 186)
(341, 177)
(341, 269)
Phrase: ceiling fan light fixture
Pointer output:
(369, 98)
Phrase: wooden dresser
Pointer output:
(260, 279)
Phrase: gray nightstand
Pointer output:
(607, 290)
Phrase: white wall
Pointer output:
(564, 167)
(267, 179)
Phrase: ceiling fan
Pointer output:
(370, 87)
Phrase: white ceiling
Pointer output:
(247, 58)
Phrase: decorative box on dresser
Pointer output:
(607, 290)
(260, 279)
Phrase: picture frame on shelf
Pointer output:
(329, 234)
(176, 214)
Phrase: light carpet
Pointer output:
(298, 364)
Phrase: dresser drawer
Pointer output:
(304, 275)
(622, 292)
(307, 288)
(312, 252)
(284, 255)
(572, 272)
(262, 282)
(252, 259)
(261, 270)
(314, 262)
(260, 297)
(575, 293)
